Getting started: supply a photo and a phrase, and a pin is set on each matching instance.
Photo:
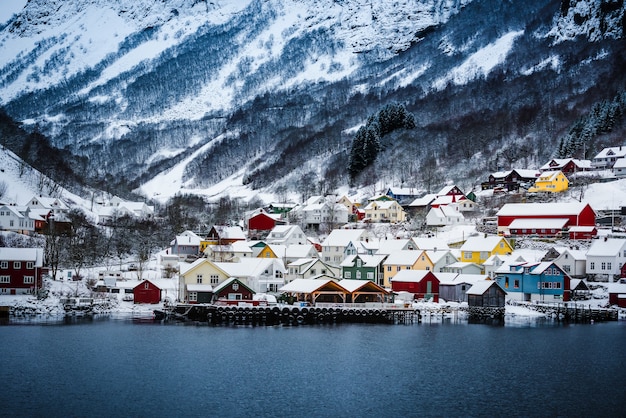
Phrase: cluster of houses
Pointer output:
(353, 266)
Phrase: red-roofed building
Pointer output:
(575, 215)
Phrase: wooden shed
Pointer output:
(364, 291)
(422, 283)
(233, 289)
(486, 294)
(316, 290)
(147, 292)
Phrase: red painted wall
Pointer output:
(586, 217)
(261, 222)
(151, 294)
(419, 288)
(17, 275)
(246, 294)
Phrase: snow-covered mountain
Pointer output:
(168, 97)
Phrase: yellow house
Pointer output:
(199, 278)
(478, 249)
(404, 260)
(550, 181)
(384, 211)
(272, 251)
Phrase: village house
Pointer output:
(486, 294)
(224, 234)
(286, 235)
(364, 291)
(260, 221)
(479, 249)
(566, 165)
(353, 207)
(421, 283)
(154, 291)
(334, 245)
(573, 262)
(296, 252)
(403, 260)
(550, 182)
(309, 268)
(619, 168)
(607, 157)
(444, 216)
(605, 258)
(576, 213)
(542, 281)
(453, 287)
(363, 267)
(16, 220)
(384, 211)
(461, 267)
(440, 259)
(20, 270)
(233, 290)
(511, 180)
(233, 252)
(186, 244)
(403, 195)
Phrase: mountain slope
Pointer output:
(269, 92)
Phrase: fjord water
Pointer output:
(128, 367)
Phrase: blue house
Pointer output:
(543, 281)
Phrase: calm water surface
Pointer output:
(127, 367)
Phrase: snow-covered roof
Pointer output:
(611, 152)
(435, 256)
(581, 228)
(368, 260)
(199, 288)
(410, 275)
(300, 251)
(481, 243)
(430, 243)
(539, 209)
(606, 247)
(342, 237)
(22, 254)
(481, 287)
(620, 163)
(423, 201)
(352, 285)
(304, 285)
(403, 258)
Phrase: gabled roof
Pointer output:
(542, 209)
(411, 276)
(424, 200)
(609, 247)
(435, 256)
(403, 258)
(430, 243)
(354, 285)
(22, 254)
(341, 237)
(300, 251)
(228, 282)
(368, 260)
(311, 285)
(481, 243)
(611, 152)
(479, 288)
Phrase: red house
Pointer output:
(20, 270)
(147, 292)
(264, 222)
(574, 214)
(233, 291)
(422, 283)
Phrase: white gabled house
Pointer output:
(286, 235)
(606, 257)
(608, 156)
(334, 245)
(444, 216)
(573, 262)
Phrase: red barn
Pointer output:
(20, 270)
(576, 214)
(147, 292)
(422, 283)
(264, 222)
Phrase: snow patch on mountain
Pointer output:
(553, 62)
(480, 63)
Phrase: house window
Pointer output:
(516, 284)
(347, 275)
(146, 285)
(234, 296)
(312, 272)
(427, 268)
(467, 255)
(235, 286)
(17, 265)
(370, 275)
(4, 265)
(358, 275)
(398, 268)
(5, 279)
(199, 279)
(215, 279)
(388, 268)
(566, 268)
(30, 265)
(358, 263)
(609, 265)
(603, 266)
(592, 266)
(193, 296)
(506, 282)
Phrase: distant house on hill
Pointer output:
(403, 195)
(550, 181)
(510, 180)
(566, 165)
(608, 156)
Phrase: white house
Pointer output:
(608, 156)
(444, 215)
(573, 262)
(335, 243)
(286, 235)
(16, 219)
(309, 268)
(619, 168)
(606, 257)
